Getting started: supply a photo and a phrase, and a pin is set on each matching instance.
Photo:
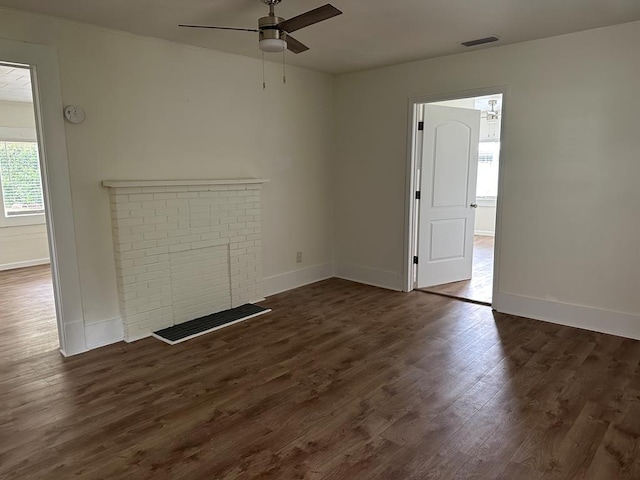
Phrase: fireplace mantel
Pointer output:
(180, 183)
(184, 249)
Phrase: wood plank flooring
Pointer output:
(480, 287)
(340, 381)
(27, 313)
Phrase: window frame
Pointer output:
(489, 200)
(19, 134)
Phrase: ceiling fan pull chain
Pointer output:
(264, 82)
(284, 69)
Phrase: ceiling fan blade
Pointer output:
(221, 28)
(313, 16)
(295, 46)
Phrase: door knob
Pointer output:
(474, 205)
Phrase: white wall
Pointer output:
(17, 115)
(570, 230)
(21, 245)
(157, 110)
(485, 220)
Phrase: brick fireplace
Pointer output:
(184, 249)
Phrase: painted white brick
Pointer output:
(157, 250)
(200, 223)
(168, 241)
(142, 212)
(123, 247)
(145, 277)
(200, 216)
(169, 211)
(200, 208)
(129, 222)
(143, 228)
(121, 238)
(180, 203)
(167, 227)
(154, 220)
(154, 204)
(210, 235)
(176, 247)
(187, 195)
(132, 271)
(118, 214)
(165, 196)
(150, 307)
(189, 238)
(140, 197)
(129, 255)
(144, 245)
(179, 248)
(155, 235)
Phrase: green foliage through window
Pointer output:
(20, 178)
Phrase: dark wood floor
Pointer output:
(340, 381)
(480, 287)
(27, 313)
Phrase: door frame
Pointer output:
(45, 76)
(411, 182)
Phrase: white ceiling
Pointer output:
(371, 33)
(15, 84)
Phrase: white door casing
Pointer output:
(43, 62)
(448, 191)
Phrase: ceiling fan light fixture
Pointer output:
(272, 45)
(493, 114)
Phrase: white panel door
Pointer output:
(448, 192)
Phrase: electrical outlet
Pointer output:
(299, 257)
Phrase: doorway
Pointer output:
(29, 322)
(454, 206)
(42, 63)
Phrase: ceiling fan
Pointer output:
(274, 32)
(493, 114)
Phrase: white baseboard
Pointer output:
(135, 338)
(28, 263)
(104, 333)
(297, 278)
(604, 321)
(485, 233)
(370, 276)
(74, 334)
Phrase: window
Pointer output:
(22, 200)
(488, 164)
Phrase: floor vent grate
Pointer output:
(215, 321)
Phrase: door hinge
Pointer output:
(415, 260)
(420, 125)
(418, 195)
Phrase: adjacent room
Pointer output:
(272, 239)
(29, 319)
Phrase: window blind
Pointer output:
(20, 179)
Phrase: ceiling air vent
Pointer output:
(480, 41)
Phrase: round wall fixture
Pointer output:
(74, 114)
